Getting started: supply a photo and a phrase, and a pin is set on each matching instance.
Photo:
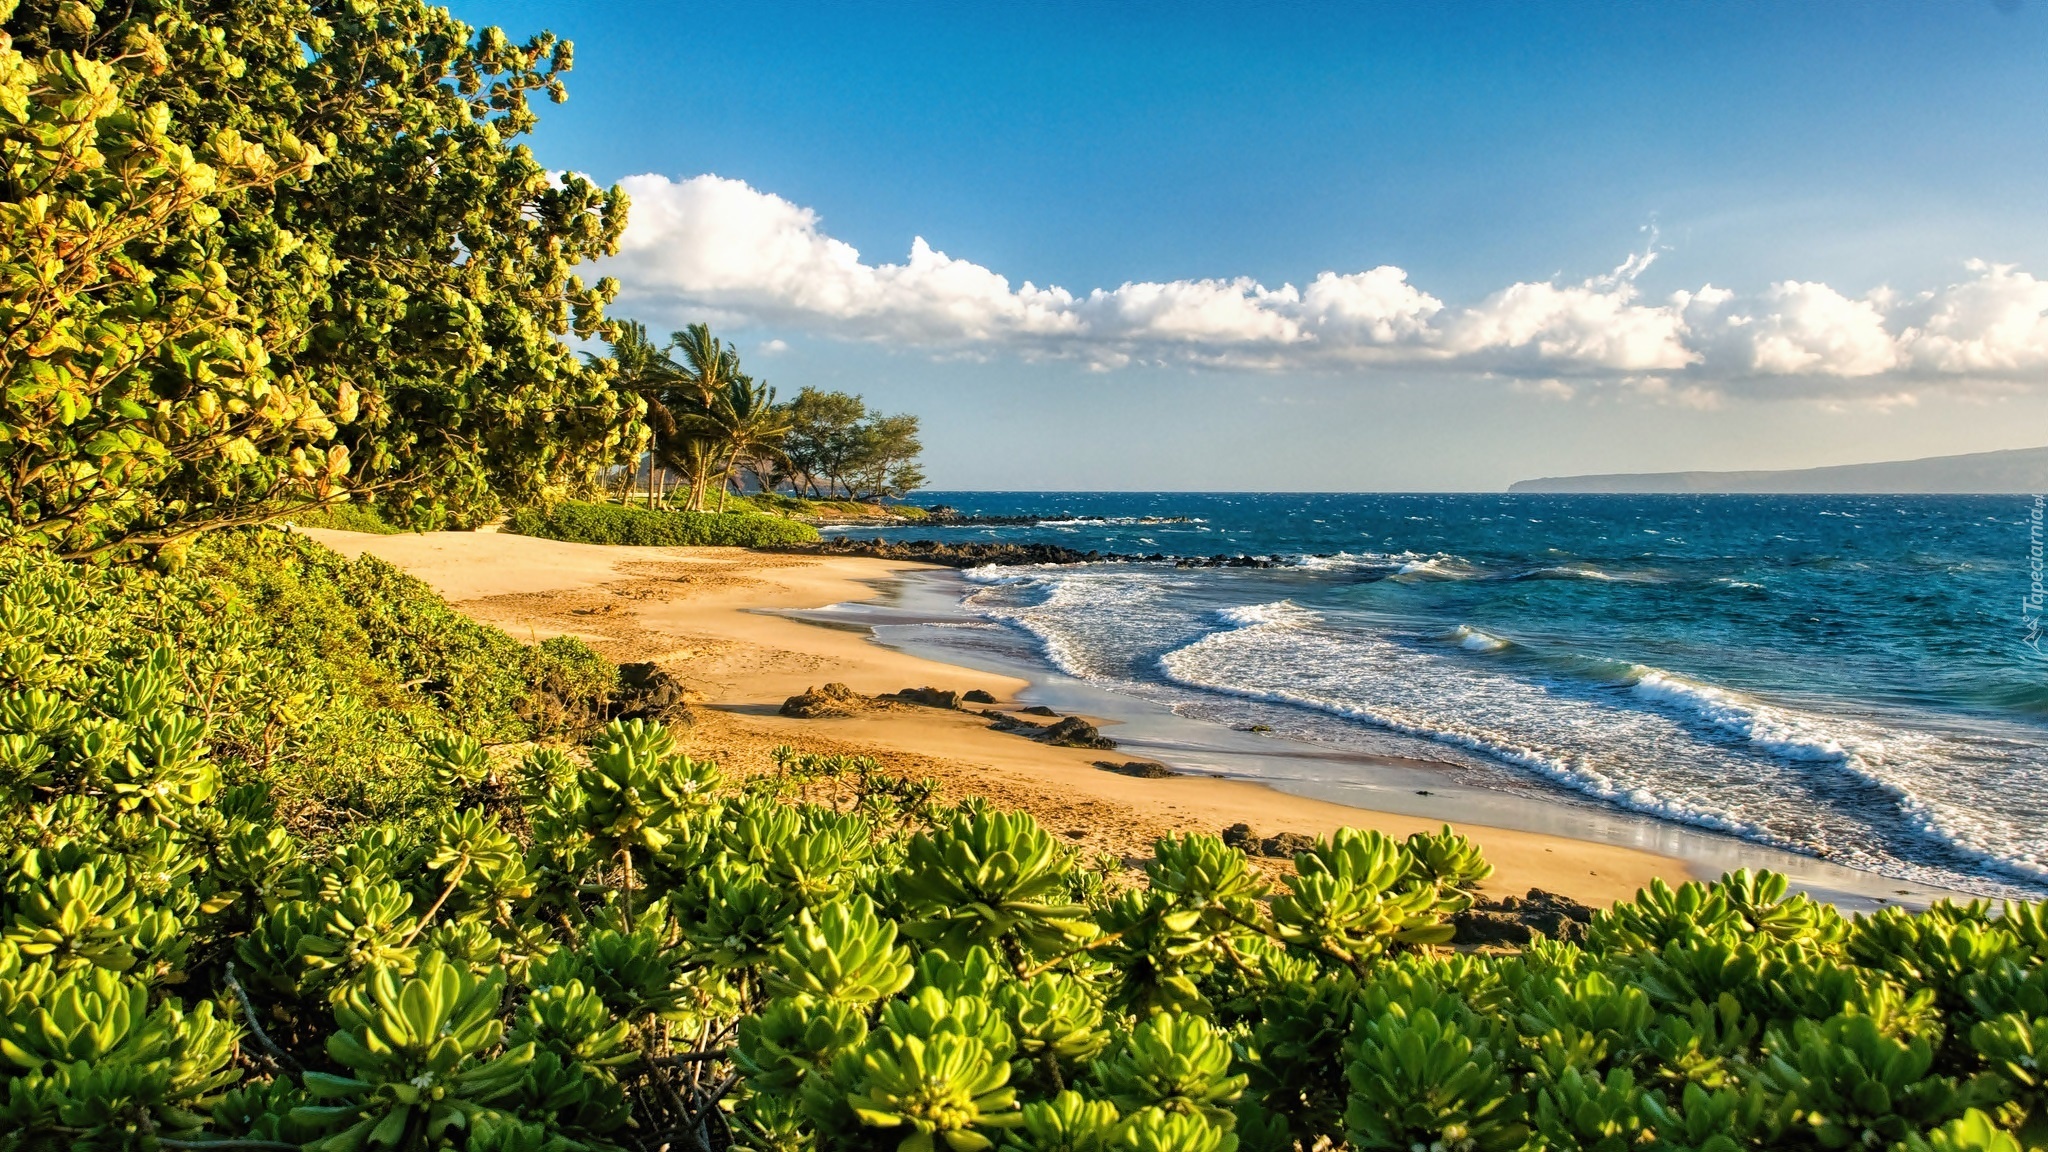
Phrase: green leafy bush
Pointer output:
(348, 518)
(619, 524)
(267, 660)
(256, 253)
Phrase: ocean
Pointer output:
(1858, 679)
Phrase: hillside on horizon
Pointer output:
(2013, 470)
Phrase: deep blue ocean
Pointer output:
(1851, 677)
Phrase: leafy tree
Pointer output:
(243, 274)
(837, 446)
(823, 437)
(886, 464)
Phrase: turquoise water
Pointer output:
(1849, 677)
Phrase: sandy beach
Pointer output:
(707, 615)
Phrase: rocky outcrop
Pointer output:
(834, 699)
(952, 517)
(646, 692)
(969, 555)
(976, 555)
(1074, 732)
(1286, 845)
(1518, 920)
(1142, 769)
(1070, 732)
(976, 696)
(1246, 839)
(930, 697)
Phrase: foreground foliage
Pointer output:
(615, 946)
(260, 253)
(621, 524)
(326, 680)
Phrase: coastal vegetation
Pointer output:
(247, 272)
(588, 523)
(299, 857)
(713, 426)
(314, 263)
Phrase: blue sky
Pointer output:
(1812, 177)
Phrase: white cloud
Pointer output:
(1813, 329)
(1596, 325)
(715, 248)
(1994, 325)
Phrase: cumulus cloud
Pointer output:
(719, 248)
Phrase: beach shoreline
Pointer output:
(744, 631)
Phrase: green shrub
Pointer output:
(618, 524)
(265, 659)
(348, 518)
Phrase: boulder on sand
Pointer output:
(647, 692)
(834, 699)
(1286, 844)
(930, 697)
(1142, 769)
(1243, 838)
(1518, 920)
(1074, 732)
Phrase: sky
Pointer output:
(1337, 247)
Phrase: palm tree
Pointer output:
(708, 366)
(749, 423)
(647, 370)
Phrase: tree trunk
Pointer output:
(732, 461)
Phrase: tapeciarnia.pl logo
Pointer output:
(2032, 604)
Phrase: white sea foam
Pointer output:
(1278, 613)
(1435, 568)
(1773, 730)
(1586, 572)
(1643, 738)
(1473, 640)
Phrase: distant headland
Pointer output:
(2017, 470)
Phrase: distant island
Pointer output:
(2016, 470)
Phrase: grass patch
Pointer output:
(618, 524)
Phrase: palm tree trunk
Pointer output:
(732, 461)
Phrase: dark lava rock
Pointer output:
(976, 554)
(966, 555)
(977, 696)
(1074, 732)
(646, 692)
(1142, 769)
(834, 699)
(931, 697)
(1038, 710)
(1243, 838)
(1286, 844)
(1008, 723)
(1516, 920)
